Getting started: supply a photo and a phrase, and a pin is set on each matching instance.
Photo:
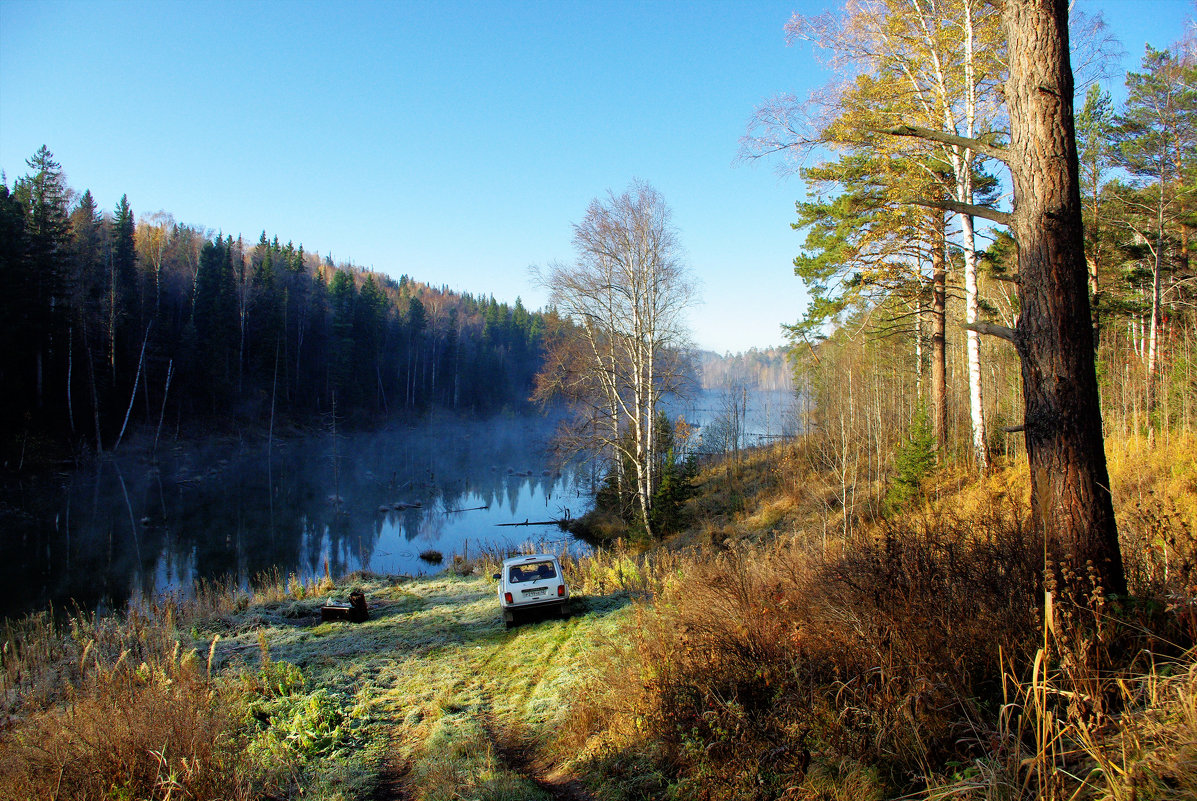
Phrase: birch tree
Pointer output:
(626, 294)
(920, 66)
(153, 241)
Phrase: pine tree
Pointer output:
(45, 196)
(1093, 129)
(1070, 485)
(1155, 135)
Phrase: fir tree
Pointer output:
(913, 461)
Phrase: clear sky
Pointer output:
(453, 142)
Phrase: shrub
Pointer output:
(912, 658)
(765, 668)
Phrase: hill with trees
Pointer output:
(766, 369)
(114, 322)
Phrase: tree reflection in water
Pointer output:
(124, 526)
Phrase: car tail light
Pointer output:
(507, 597)
(560, 590)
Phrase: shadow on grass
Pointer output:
(579, 606)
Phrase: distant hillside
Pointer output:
(767, 369)
(111, 322)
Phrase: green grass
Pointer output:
(446, 694)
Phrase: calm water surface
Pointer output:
(126, 526)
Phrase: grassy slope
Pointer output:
(455, 703)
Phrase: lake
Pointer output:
(770, 414)
(125, 526)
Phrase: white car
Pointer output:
(529, 583)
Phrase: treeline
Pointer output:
(110, 323)
(765, 369)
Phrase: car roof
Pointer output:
(536, 557)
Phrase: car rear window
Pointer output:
(531, 571)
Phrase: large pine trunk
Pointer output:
(939, 374)
(1070, 495)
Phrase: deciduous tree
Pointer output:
(626, 294)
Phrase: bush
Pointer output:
(765, 668)
(913, 658)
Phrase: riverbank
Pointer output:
(249, 697)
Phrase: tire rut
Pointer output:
(392, 782)
(520, 758)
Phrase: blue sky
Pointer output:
(453, 142)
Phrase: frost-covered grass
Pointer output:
(432, 693)
(723, 669)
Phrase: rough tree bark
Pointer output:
(1070, 495)
(939, 374)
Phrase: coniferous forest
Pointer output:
(115, 323)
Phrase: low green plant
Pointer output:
(913, 462)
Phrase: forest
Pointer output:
(916, 297)
(117, 323)
(760, 368)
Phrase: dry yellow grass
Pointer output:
(909, 657)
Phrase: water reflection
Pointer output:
(125, 527)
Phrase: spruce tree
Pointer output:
(913, 462)
(13, 311)
(126, 309)
(43, 288)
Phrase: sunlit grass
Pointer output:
(447, 687)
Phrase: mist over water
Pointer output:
(771, 414)
(125, 527)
